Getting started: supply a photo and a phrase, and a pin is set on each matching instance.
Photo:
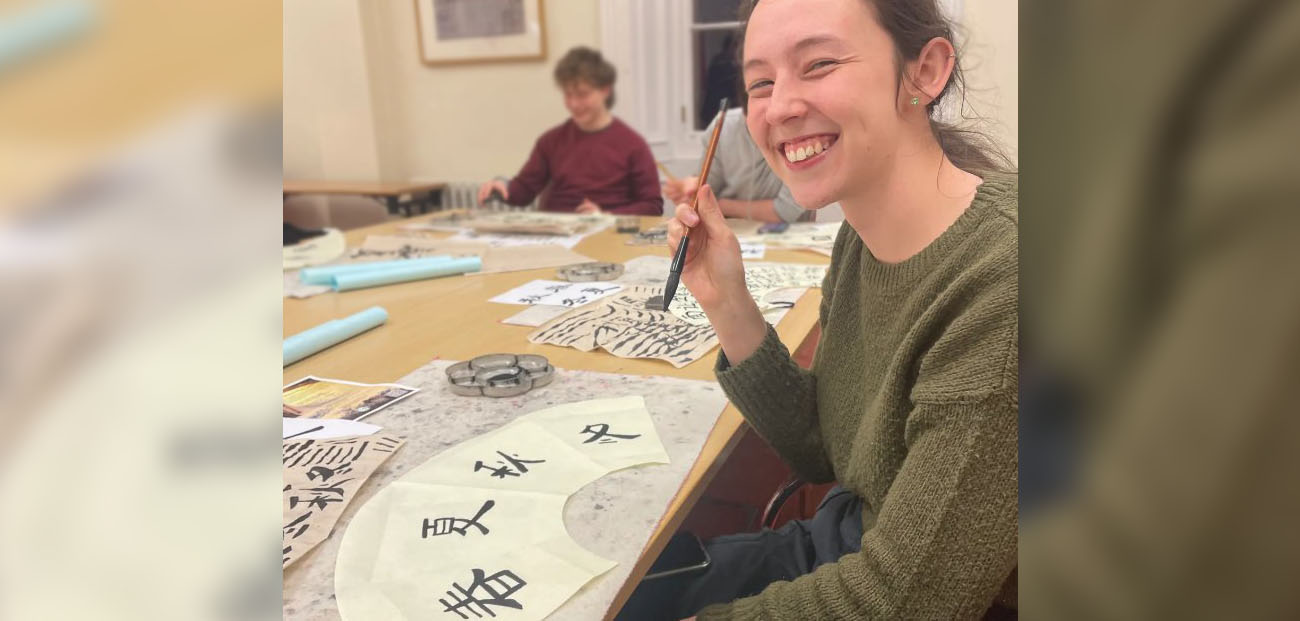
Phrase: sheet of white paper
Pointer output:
(761, 279)
(516, 222)
(624, 326)
(456, 523)
(392, 247)
(315, 251)
(522, 258)
(320, 478)
(516, 585)
(648, 270)
(498, 527)
(385, 248)
(781, 299)
(611, 517)
(296, 288)
(799, 235)
(462, 526)
(768, 276)
(320, 428)
(615, 433)
(752, 250)
(498, 240)
(520, 456)
(557, 293)
(535, 315)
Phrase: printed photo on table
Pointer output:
(318, 397)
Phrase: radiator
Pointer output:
(464, 194)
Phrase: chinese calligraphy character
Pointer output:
(600, 431)
(574, 301)
(505, 471)
(302, 528)
(448, 525)
(325, 473)
(496, 591)
(321, 497)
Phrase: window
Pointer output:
(715, 72)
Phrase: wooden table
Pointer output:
(450, 318)
(391, 192)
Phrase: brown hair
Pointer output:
(910, 25)
(587, 65)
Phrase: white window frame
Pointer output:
(649, 41)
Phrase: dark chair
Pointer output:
(789, 488)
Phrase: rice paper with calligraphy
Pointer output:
(320, 478)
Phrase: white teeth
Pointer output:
(802, 153)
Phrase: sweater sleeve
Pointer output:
(532, 178)
(939, 548)
(644, 196)
(779, 400)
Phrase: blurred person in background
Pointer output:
(591, 163)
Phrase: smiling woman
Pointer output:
(911, 403)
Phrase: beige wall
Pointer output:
(359, 104)
(475, 121)
(992, 56)
(329, 128)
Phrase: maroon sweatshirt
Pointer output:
(613, 167)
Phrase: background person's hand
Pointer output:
(586, 206)
(681, 190)
(485, 190)
(714, 271)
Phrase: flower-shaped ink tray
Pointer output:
(500, 375)
(587, 272)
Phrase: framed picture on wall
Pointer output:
(477, 31)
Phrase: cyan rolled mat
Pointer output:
(324, 274)
(331, 333)
(40, 26)
(374, 278)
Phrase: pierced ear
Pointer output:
(929, 73)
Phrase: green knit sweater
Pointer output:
(912, 405)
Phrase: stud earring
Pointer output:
(916, 100)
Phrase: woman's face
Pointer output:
(823, 95)
(585, 103)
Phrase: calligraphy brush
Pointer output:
(679, 259)
(667, 173)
